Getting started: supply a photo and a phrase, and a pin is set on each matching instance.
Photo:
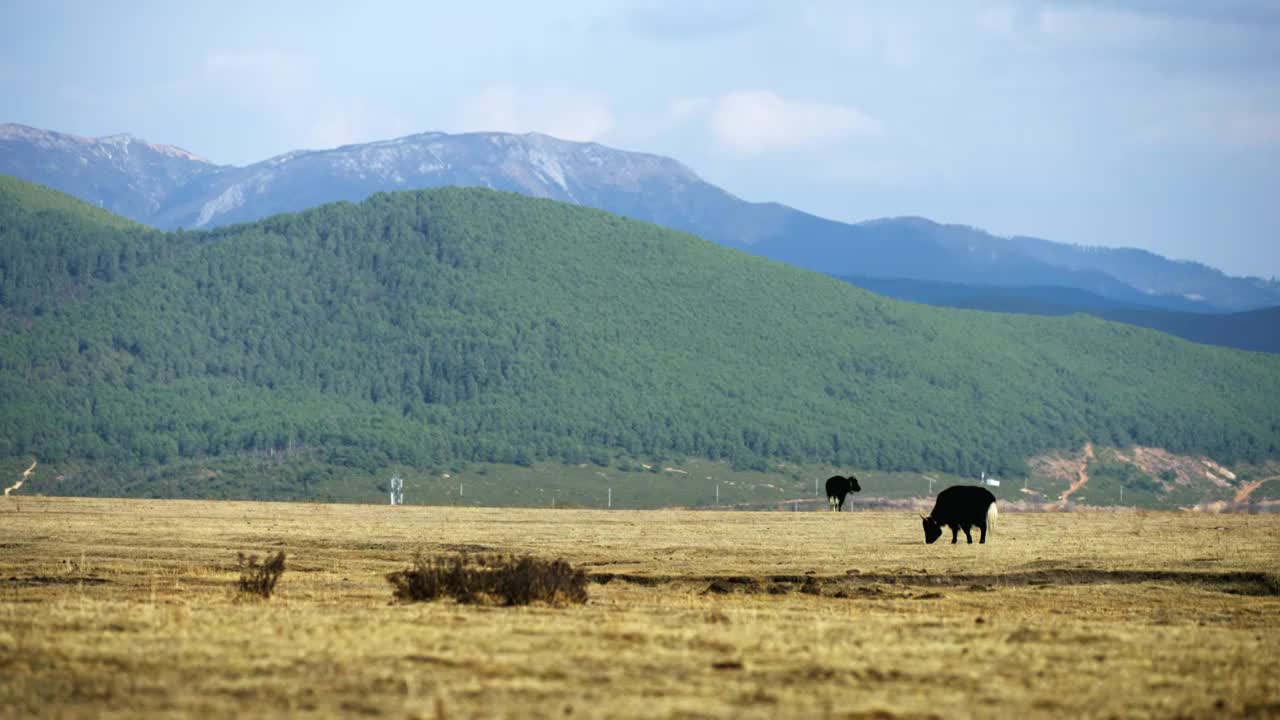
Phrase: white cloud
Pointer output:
(1105, 27)
(354, 122)
(287, 88)
(268, 75)
(78, 94)
(1253, 128)
(876, 32)
(334, 130)
(684, 109)
(753, 122)
(997, 19)
(1224, 127)
(563, 113)
(1159, 32)
(262, 61)
(695, 19)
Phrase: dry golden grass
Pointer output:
(123, 608)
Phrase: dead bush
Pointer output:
(528, 579)
(500, 579)
(260, 579)
(432, 578)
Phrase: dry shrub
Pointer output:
(502, 579)
(521, 581)
(436, 577)
(260, 579)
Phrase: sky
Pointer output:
(1125, 123)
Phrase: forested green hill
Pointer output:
(20, 195)
(438, 326)
(55, 249)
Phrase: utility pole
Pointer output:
(610, 497)
(717, 494)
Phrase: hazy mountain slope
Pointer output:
(1155, 274)
(426, 327)
(170, 189)
(119, 173)
(1249, 330)
(1033, 299)
(915, 248)
(632, 184)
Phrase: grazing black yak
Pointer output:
(961, 507)
(838, 488)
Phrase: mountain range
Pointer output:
(1257, 330)
(170, 188)
(419, 330)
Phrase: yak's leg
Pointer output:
(983, 540)
(968, 538)
(955, 534)
(832, 502)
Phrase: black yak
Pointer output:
(961, 507)
(838, 488)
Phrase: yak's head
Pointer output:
(932, 529)
(853, 484)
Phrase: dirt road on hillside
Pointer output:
(1242, 495)
(1082, 477)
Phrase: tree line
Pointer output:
(436, 326)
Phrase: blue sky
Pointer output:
(1125, 123)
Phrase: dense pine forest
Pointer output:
(432, 327)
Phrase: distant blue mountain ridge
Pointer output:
(168, 187)
(1257, 330)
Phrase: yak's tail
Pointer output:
(992, 514)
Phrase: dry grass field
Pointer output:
(125, 608)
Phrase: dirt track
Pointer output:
(1082, 477)
(1242, 496)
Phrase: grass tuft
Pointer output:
(260, 579)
